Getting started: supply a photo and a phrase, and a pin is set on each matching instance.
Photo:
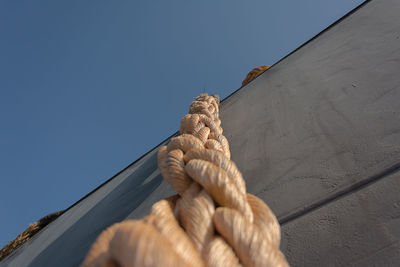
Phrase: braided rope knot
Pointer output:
(211, 222)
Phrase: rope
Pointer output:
(212, 221)
(254, 73)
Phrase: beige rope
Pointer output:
(211, 222)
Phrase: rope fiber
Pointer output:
(211, 221)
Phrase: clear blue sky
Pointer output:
(87, 87)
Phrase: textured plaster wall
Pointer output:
(317, 136)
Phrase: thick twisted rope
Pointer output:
(211, 222)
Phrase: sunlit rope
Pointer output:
(212, 221)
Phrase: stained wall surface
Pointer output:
(317, 136)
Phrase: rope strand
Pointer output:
(211, 222)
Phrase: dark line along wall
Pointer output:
(317, 137)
